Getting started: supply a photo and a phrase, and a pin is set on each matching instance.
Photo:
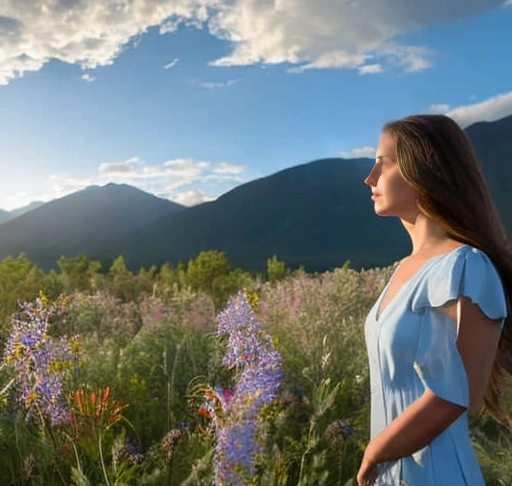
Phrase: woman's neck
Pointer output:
(427, 236)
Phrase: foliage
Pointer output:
(136, 379)
(276, 269)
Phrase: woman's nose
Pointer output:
(372, 178)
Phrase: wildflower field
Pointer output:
(175, 386)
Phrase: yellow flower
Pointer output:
(252, 298)
(31, 398)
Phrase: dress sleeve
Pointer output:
(466, 272)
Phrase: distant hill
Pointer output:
(75, 223)
(493, 144)
(7, 215)
(317, 214)
(4, 216)
(25, 209)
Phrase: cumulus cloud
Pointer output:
(226, 168)
(330, 33)
(302, 33)
(88, 33)
(182, 180)
(87, 77)
(490, 109)
(359, 153)
(410, 58)
(188, 198)
(370, 69)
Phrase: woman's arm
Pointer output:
(429, 415)
(412, 430)
(477, 342)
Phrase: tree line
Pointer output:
(209, 272)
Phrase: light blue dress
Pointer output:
(412, 346)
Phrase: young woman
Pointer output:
(439, 340)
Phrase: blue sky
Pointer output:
(187, 99)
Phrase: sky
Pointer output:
(187, 99)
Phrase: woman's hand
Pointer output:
(367, 473)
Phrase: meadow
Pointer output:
(258, 381)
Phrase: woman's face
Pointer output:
(391, 193)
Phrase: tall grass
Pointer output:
(150, 387)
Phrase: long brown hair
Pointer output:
(436, 157)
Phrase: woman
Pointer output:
(439, 337)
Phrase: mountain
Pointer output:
(7, 215)
(493, 144)
(73, 224)
(25, 209)
(4, 216)
(317, 214)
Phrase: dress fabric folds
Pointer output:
(412, 346)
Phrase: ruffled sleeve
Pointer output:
(467, 272)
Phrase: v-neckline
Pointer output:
(381, 311)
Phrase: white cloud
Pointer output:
(411, 58)
(171, 64)
(330, 33)
(370, 69)
(88, 33)
(64, 184)
(183, 180)
(213, 84)
(440, 108)
(87, 77)
(119, 168)
(225, 168)
(359, 153)
(337, 59)
(188, 198)
(306, 34)
(490, 109)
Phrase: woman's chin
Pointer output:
(381, 211)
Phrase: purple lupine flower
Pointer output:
(258, 372)
(234, 451)
(39, 361)
(338, 432)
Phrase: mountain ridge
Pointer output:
(317, 214)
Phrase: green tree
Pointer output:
(20, 280)
(169, 281)
(78, 272)
(205, 268)
(122, 281)
(224, 286)
(276, 269)
(145, 280)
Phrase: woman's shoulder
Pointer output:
(461, 257)
(463, 271)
